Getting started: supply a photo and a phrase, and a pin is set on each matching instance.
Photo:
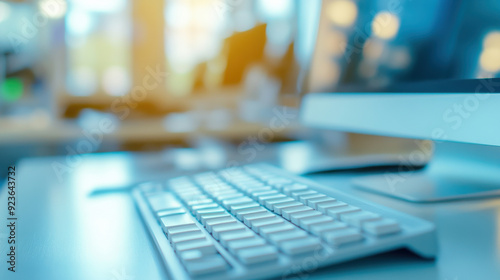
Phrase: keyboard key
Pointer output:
(235, 209)
(222, 194)
(213, 183)
(185, 243)
(248, 219)
(225, 228)
(337, 211)
(229, 191)
(176, 211)
(359, 217)
(258, 254)
(270, 203)
(212, 211)
(195, 208)
(205, 246)
(190, 192)
(207, 217)
(187, 190)
(176, 221)
(192, 197)
(277, 208)
(297, 217)
(183, 187)
(262, 192)
(381, 227)
(163, 201)
(298, 194)
(237, 201)
(319, 229)
(241, 214)
(282, 227)
(216, 185)
(342, 236)
(225, 238)
(265, 198)
(288, 211)
(236, 245)
(249, 185)
(324, 206)
(227, 195)
(305, 198)
(192, 203)
(279, 181)
(257, 225)
(308, 222)
(181, 230)
(218, 221)
(192, 255)
(300, 246)
(265, 176)
(188, 236)
(277, 238)
(314, 202)
(206, 265)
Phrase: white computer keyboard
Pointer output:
(259, 221)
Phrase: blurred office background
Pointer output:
(130, 75)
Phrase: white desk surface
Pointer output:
(65, 232)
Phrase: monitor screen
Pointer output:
(374, 45)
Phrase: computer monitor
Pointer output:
(459, 117)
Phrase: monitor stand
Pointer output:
(456, 171)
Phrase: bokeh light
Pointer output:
(490, 60)
(4, 11)
(11, 89)
(492, 40)
(79, 22)
(53, 9)
(337, 42)
(107, 6)
(116, 81)
(342, 12)
(400, 58)
(275, 9)
(328, 76)
(83, 81)
(385, 25)
(373, 49)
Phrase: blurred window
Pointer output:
(98, 39)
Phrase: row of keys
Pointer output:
(273, 228)
(195, 250)
(278, 231)
(305, 217)
(232, 234)
(366, 221)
